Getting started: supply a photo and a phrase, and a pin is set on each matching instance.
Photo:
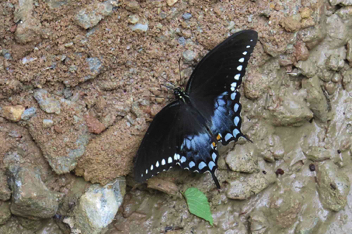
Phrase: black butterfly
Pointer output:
(186, 132)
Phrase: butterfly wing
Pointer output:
(213, 85)
(176, 136)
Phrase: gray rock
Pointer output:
(316, 99)
(189, 55)
(258, 222)
(340, 2)
(349, 52)
(47, 102)
(5, 192)
(49, 227)
(30, 224)
(13, 226)
(91, 15)
(28, 113)
(243, 158)
(5, 213)
(187, 16)
(316, 153)
(30, 197)
(98, 206)
(94, 64)
(54, 4)
(333, 186)
(347, 79)
(292, 110)
(248, 185)
(140, 27)
(95, 67)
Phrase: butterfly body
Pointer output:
(187, 131)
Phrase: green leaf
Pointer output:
(198, 204)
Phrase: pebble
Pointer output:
(91, 15)
(94, 125)
(182, 41)
(189, 55)
(94, 64)
(171, 2)
(139, 27)
(46, 102)
(336, 78)
(28, 113)
(187, 16)
(47, 123)
(13, 113)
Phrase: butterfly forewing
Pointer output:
(213, 86)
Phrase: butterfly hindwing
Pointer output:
(187, 142)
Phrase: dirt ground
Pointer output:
(80, 82)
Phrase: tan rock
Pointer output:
(291, 23)
(171, 2)
(13, 113)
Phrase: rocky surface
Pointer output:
(81, 81)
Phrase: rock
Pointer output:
(258, 222)
(94, 125)
(336, 61)
(255, 85)
(95, 67)
(139, 27)
(187, 16)
(30, 224)
(349, 52)
(164, 186)
(13, 113)
(340, 2)
(243, 159)
(306, 13)
(132, 6)
(67, 143)
(5, 192)
(249, 185)
(98, 206)
(316, 99)
(189, 56)
(92, 14)
(30, 197)
(270, 147)
(337, 32)
(333, 186)
(47, 123)
(290, 111)
(5, 213)
(28, 113)
(105, 160)
(47, 102)
(302, 52)
(317, 154)
(291, 23)
(49, 227)
(347, 79)
(13, 226)
(171, 2)
(54, 4)
(28, 26)
(285, 206)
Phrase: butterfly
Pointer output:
(187, 131)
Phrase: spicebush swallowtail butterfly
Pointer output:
(186, 132)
